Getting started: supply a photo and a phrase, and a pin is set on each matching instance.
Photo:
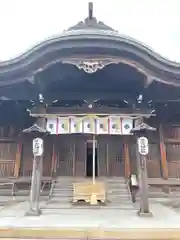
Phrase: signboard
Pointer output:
(143, 146)
(38, 148)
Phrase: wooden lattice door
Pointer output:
(64, 151)
(116, 156)
(80, 156)
(102, 150)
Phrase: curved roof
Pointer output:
(89, 38)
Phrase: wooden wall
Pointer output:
(16, 155)
(8, 150)
(7, 159)
(172, 144)
(153, 160)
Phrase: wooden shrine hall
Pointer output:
(89, 83)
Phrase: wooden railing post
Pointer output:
(164, 164)
(126, 159)
(53, 160)
(18, 160)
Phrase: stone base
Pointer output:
(141, 214)
(33, 212)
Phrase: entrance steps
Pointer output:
(118, 195)
(118, 192)
(62, 190)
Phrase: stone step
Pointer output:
(61, 200)
(62, 190)
(118, 195)
(63, 185)
(117, 190)
(62, 193)
(116, 184)
(74, 210)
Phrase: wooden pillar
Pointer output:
(127, 160)
(164, 164)
(40, 127)
(18, 160)
(53, 160)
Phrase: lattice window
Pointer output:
(154, 152)
(173, 152)
(120, 153)
(8, 151)
(172, 132)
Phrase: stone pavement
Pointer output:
(92, 223)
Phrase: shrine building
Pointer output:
(90, 83)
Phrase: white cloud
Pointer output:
(23, 23)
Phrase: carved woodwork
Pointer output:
(90, 66)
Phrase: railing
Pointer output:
(7, 168)
(51, 190)
(12, 187)
(128, 187)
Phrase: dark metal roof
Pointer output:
(91, 23)
(88, 34)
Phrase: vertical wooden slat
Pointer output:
(80, 157)
(102, 155)
(126, 160)
(53, 159)
(18, 160)
(74, 159)
(163, 154)
(107, 159)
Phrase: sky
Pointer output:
(24, 23)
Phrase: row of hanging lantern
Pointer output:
(92, 125)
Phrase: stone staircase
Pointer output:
(62, 192)
(118, 195)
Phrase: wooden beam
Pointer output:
(18, 160)
(164, 164)
(127, 159)
(101, 111)
(83, 95)
(149, 80)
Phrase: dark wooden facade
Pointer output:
(66, 155)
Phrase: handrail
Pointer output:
(42, 188)
(52, 186)
(128, 187)
(132, 183)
